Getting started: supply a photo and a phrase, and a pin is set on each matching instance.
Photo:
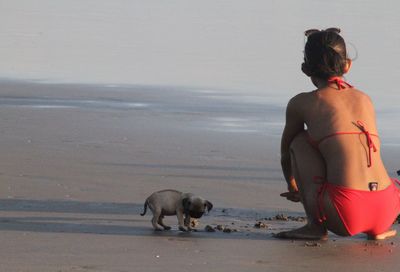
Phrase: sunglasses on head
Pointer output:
(307, 33)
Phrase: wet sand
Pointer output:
(78, 161)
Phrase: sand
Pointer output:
(78, 161)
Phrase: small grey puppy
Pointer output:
(171, 202)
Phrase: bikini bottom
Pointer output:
(370, 212)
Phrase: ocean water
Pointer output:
(250, 49)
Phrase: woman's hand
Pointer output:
(292, 196)
(293, 193)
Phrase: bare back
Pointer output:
(330, 112)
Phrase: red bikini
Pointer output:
(363, 130)
(371, 212)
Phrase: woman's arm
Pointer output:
(293, 126)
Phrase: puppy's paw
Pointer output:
(181, 228)
(167, 228)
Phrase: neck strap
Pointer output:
(341, 84)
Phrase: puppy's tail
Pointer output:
(145, 208)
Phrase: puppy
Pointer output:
(171, 202)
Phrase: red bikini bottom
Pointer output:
(370, 212)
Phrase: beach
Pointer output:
(103, 103)
(79, 160)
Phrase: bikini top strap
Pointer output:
(341, 84)
(370, 143)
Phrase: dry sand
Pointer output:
(78, 161)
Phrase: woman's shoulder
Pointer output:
(299, 104)
(361, 93)
(361, 96)
(301, 98)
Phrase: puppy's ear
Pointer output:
(186, 203)
(209, 205)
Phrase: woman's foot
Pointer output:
(383, 236)
(307, 232)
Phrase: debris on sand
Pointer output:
(312, 244)
(297, 218)
(282, 217)
(209, 228)
(222, 228)
(227, 230)
(260, 225)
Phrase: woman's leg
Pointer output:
(307, 163)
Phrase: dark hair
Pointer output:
(324, 55)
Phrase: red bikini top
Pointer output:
(341, 84)
(363, 130)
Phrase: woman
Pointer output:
(334, 166)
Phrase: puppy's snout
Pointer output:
(195, 214)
